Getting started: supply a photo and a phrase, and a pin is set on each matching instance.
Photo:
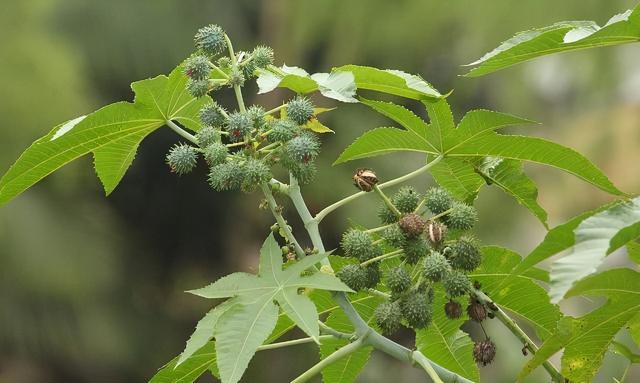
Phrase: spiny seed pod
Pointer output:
(210, 39)
(197, 67)
(438, 200)
(465, 254)
(224, 62)
(456, 284)
(436, 233)
(226, 176)
(373, 276)
(303, 148)
(386, 215)
(365, 179)
(213, 115)
(262, 56)
(283, 131)
(305, 173)
(435, 266)
(412, 225)
(207, 136)
(394, 236)
(358, 244)
(182, 158)
(453, 310)
(249, 70)
(484, 352)
(416, 310)
(300, 110)
(398, 280)
(239, 125)
(354, 276)
(216, 153)
(461, 217)
(236, 77)
(476, 311)
(256, 172)
(388, 317)
(406, 199)
(198, 88)
(415, 249)
(256, 113)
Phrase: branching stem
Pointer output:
(234, 62)
(387, 201)
(273, 206)
(341, 353)
(181, 132)
(294, 342)
(393, 254)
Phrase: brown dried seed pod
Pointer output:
(412, 225)
(365, 179)
(453, 310)
(476, 311)
(484, 352)
(436, 232)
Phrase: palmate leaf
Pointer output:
(393, 82)
(595, 238)
(202, 360)
(560, 37)
(253, 315)
(459, 177)
(112, 133)
(445, 344)
(521, 294)
(586, 339)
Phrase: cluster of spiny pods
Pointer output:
(420, 253)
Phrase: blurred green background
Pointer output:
(91, 288)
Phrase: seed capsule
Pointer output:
(453, 310)
(477, 311)
(365, 179)
(436, 232)
(484, 352)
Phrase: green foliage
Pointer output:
(191, 369)
(560, 37)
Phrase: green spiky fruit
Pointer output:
(412, 225)
(197, 67)
(438, 200)
(394, 236)
(224, 62)
(303, 148)
(358, 244)
(213, 115)
(207, 136)
(398, 280)
(238, 126)
(453, 310)
(215, 153)
(476, 311)
(198, 88)
(388, 316)
(236, 77)
(262, 56)
(406, 199)
(416, 310)
(256, 172)
(300, 110)
(415, 249)
(210, 39)
(456, 284)
(465, 254)
(373, 276)
(354, 276)
(256, 113)
(484, 352)
(461, 217)
(182, 158)
(226, 176)
(305, 173)
(249, 70)
(385, 214)
(435, 266)
(283, 131)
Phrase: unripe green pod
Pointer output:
(213, 115)
(224, 62)
(226, 176)
(406, 199)
(262, 56)
(236, 77)
(207, 136)
(412, 225)
(216, 153)
(300, 110)
(398, 280)
(465, 254)
(182, 158)
(416, 310)
(256, 172)
(438, 200)
(435, 266)
(239, 125)
(198, 88)
(210, 39)
(373, 276)
(415, 249)
(456, 284)
(385, 214)
(303, 148)
(197, 67)
(249, 70)
(283, 131)
(256, 113)
(358, 244)
(305, 173)
(461, 217)
(388, 316)
(354, 276)
(394, 236)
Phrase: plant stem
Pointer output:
(341, 353)
(324, 212)
(276, 109)
(379, 228)
(234, 62)
(273, 206)
(181, 131)
(294, 342)
(333, 332)
(421, 360)
(510, 324)
(379, 294)
(441, 214)
(392, 254)
(387, 201)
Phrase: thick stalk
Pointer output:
(324, 212)
(273, 206)
(341, 353)
(518, 332)
(387, 201)
(420, 359)
(181, 132)
(234, 62)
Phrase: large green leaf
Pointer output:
(520, 295)
(586, 339)
(445, 344)
(190, 370)
(382, 141)
(595, 238)
(560, 37)
(112, 133)
(509, 176)
(459, 177)
(633, 250)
